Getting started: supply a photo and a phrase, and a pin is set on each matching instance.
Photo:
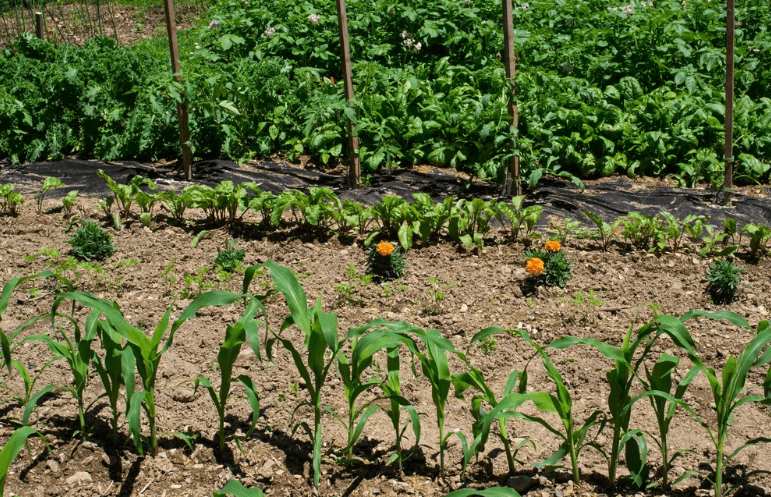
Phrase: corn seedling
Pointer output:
(235, 336)
(474, 378)
(11, 449)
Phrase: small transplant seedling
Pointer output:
(549, 266)
(229, 258)
(724, 281)
(68, 202)
(90, 242)
(48, 184)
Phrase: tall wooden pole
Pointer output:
(184, 131)
(728, 183)
(513, 175)
(39, 25)
(354, 171)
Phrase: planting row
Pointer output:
(423, 221)
(103, 340)
(601, 88)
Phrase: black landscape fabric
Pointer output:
(609, 200)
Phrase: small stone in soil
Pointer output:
(79, 477)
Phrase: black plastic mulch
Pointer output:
(610, 199)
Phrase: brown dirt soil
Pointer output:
(147, 274)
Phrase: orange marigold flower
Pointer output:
(535, 266)
(385, 249)
(553, 246)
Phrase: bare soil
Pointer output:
(481, 288)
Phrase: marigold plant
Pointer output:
(386, 262)
(535, 266)
(552, 246)
(385, 249)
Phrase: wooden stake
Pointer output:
(508, 42)
(354, 171)
(39, 25)
(184, 131)
(728, 182)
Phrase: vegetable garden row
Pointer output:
(601, 88)
(103, 340)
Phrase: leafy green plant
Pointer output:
(177, 205)
(346, 296)
(10, 201)
(518, 215)
(69, 201)
(605, 232)
(48, 184)
(487, 345)
(712, 239)
(228, 259)
(470, 221)
(393, 217)
(90, 242)
(125, 195)
(236, 489)
(724, 280)
(430, 217)
(759, 235)
(560, 232)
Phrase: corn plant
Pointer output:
(146, 352)
(78, 354)
(605, 232)
(727, 390)
(383, 335)
(474, 378)
(11, 450)
(235, 337)
(28, 398)
(320, 330)
(660, 379)
(48, 184)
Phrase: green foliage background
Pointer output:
(599, 90)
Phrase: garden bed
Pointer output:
(481, 288)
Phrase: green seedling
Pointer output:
(125, 195)
(712, 239)
(394, 218)
(727, 390)
(475, 379)
(605, 232)
(660, 379)
(430, 217)
(517, 215)
(11, 449)
(68, 202)
(759, 235)
(488, 345)
(48, 184)
(236, 489)
(176, 205)
(147, 352)
(235, 337)
(560, 232)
